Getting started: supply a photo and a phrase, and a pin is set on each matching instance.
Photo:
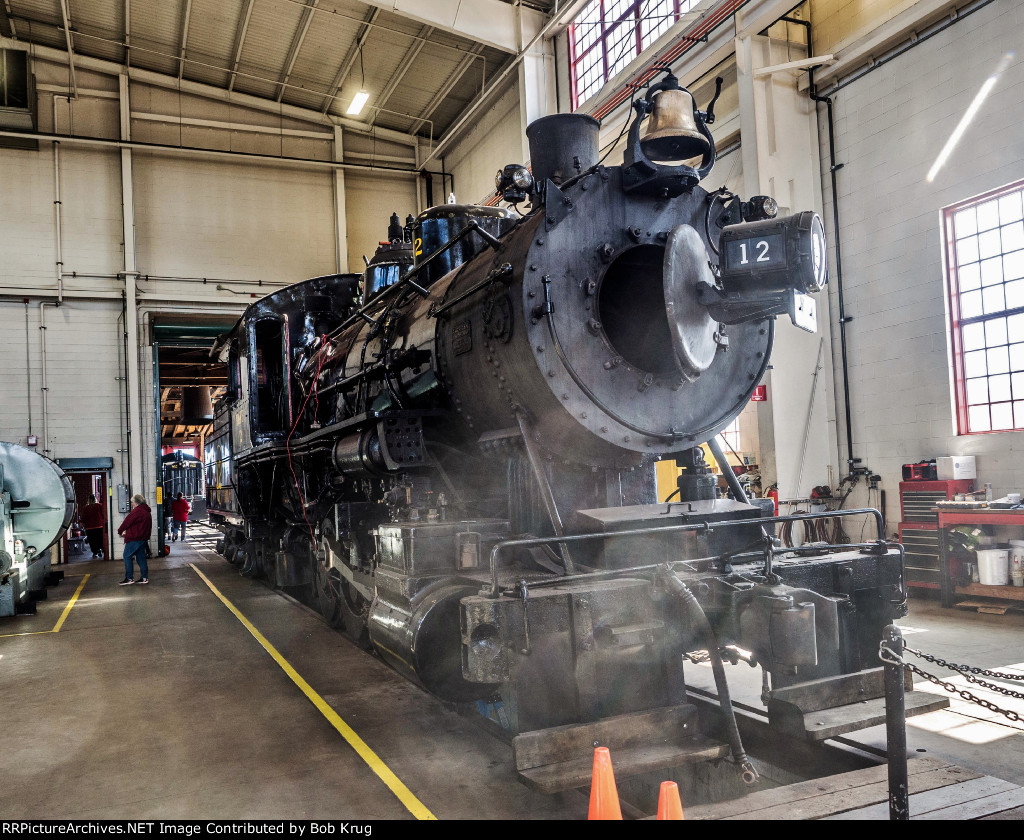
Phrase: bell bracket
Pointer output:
(641, 174)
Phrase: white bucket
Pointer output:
(993, 566)
(1016, 555)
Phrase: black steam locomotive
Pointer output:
(454, 453)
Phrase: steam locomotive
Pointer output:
(453, 454)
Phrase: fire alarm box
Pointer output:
(32, 440)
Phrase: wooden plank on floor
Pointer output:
(946, 798)
(764, 799)
(864, 796)
(1012, 814)
(978, 808)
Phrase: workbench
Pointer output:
(1002, 524)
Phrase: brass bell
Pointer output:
(672, 133)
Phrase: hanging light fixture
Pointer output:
(359, 100)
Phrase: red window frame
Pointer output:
(957, 322)
(609, 31)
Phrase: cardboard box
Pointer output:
(956, 467)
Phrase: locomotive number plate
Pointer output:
(462, 338)
(756, 252)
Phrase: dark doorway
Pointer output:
(76, 545)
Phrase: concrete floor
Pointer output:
(156, 702)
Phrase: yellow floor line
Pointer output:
(71, 603)
(415, 807)
(60, 621)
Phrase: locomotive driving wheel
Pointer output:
(327, 594)
(339, 601)
(355, 611)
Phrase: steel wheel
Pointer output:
(326, 595)
(355, 611)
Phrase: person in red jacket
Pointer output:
(93, 520)
(179, 516)
(136, 530)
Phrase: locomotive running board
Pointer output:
(820, 709)
(562, 757)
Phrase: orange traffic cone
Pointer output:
(604, 798)
(669, 805)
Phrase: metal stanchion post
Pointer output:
(896, 726)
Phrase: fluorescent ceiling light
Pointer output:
(358, 101)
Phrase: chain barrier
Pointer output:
(965, 669)
(887, 655)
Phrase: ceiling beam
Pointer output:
(243, 27)
(453, 79)
(66, 18)
(215, 94)
(403, 68)
(350, 58)
(186, 17)
(490, 22)
(300, 36)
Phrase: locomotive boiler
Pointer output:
(37, 505)
(454, 454)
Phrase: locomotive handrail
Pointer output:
(635, 532)
(495, 274)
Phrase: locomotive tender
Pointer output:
(454, 453)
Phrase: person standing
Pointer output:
(136, 530)
(180, 508)
(94, 517)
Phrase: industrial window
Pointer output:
(985, 262)
(608, 34)
(731, 434)
(13, 79)
(270, 397)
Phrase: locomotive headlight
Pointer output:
(770, 267)
(758, 208)
(774, 255)
(513, 183)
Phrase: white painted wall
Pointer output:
(232, 219)
(371, 199)
(496, 139)
(890, 127)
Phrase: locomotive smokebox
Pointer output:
(562, 146)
